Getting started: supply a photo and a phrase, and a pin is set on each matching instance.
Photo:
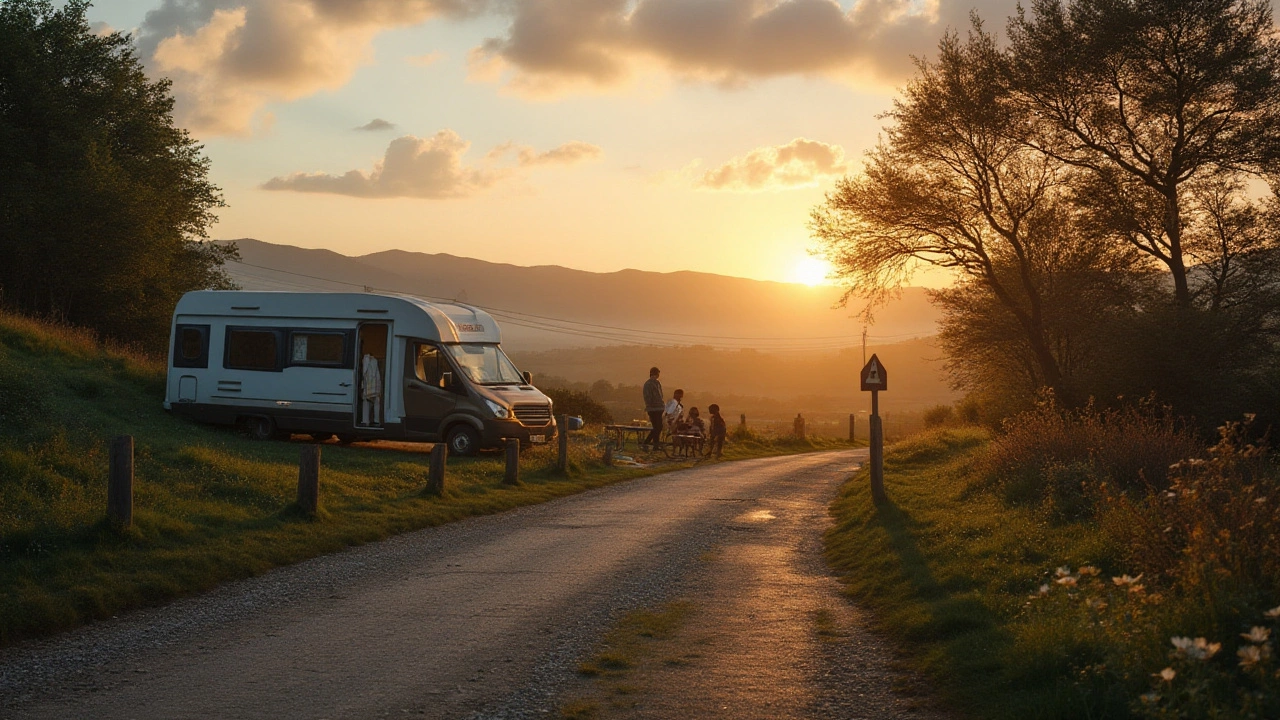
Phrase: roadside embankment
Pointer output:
(1045, 573)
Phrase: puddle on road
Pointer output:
(758, 516)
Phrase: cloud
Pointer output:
(551, 45)
(229, 58)
(101, 29)
(377, 124)
(430, 168)
(799, 163)
(567, 154)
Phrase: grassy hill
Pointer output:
(209, 504)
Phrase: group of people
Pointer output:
(671, 415)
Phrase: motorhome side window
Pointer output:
(252, 349)
(428, 363)
(191, 347)
(314, 348)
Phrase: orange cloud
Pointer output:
(799, 163)
(429, 168)
(229, 58)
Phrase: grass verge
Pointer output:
(209, 505)
(1017, 609)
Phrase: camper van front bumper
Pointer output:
(498, 431)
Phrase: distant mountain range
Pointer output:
(547, 307)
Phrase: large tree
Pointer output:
(1156, 101)
(105, 204)
(957, 183)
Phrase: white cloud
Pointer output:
(430, 168)
(799, 163)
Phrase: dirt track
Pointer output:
(489, 617)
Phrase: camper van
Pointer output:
(360, 366)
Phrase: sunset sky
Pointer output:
(595, 134)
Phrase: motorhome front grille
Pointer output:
(533, 414)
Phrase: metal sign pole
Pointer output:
(874, 379)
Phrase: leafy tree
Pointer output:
(1155, 100)
(105, 204)
(959, 184)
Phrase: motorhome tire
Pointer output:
(260, 428)
(346, 438)
(463, 440)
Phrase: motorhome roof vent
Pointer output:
(245, 307)
(372, 310)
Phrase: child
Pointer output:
(718, 431)
(693, 424)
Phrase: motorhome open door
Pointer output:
(372, 347)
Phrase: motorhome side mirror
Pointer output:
(528, 377)
(446, 379)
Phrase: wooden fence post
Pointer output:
(512, 474)
(743, 417)
(120, 481)
(309, 480)
(562, 460)
(852, 434)
(608, 453)
(435, 477)
(798, 426)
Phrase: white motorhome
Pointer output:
(356, 365)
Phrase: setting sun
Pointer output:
(811, 271)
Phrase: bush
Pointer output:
(1044, 451)
(939, 416)
(574, 402)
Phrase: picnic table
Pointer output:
(622, 432)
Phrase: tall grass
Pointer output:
(1092, 564)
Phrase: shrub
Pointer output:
(575, 402)
(938, 416)
(1048, 451)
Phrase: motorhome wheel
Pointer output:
(463, 440)
(346, 438)
(260, 428)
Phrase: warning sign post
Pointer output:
(874, 379)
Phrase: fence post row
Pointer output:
(309, 479)
(512, 474)
(435, 476)
(120, 481)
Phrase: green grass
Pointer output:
(209, 505)
(947, 568)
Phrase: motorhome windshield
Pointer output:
(485, 364)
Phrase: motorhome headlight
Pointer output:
(498, 410)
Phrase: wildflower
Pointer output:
(1124, 580)
(1154, 599)
(1068, 580)
(1198, 649)
(1167, 674)
(1044, 590)
(1251, 655)
(1096, 604)
(1195, 462)
(1150, 697)
(1261, 500)
(1087, 570)
(1062, 571)
(1273, 613)
(1257, 635)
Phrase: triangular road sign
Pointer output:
(874, 376)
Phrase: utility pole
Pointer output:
(874, 379)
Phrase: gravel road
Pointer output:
(484, 618)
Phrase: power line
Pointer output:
(592, 330)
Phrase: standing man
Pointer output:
(654, 406)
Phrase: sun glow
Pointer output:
(811, 271)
